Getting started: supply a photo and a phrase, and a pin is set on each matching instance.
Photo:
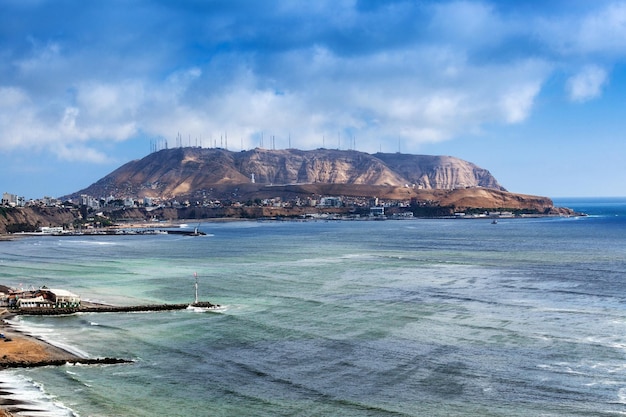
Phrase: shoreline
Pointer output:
(21, 350)
(18, 349)
(175, 224)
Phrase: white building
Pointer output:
(378, 211)
(13, 200)
(46, 298)
(330, 202)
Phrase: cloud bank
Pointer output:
(76, 77)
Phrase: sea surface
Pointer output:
(339, 318)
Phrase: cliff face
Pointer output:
(439, 172)
(32, 218)
(327, 166)
(182, 172)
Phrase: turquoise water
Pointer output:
(413, 317)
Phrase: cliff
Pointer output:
(30, 219)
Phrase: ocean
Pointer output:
(344, 318)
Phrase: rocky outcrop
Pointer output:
(185, 172)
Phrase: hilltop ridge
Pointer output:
(182, 173)
(200, 183)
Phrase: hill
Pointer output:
(188, 173)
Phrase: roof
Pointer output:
(62, 293)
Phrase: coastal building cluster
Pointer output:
(14, 200)
(113, 203)
(42, 298)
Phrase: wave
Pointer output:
(218, 309)
(42, 333)
(24, 397)
(85, 242)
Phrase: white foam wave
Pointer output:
(621, 395)
(88, 242)
(43, 333)
(219, 309)
(35, 400)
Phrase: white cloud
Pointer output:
(79, 153)
(420, 73)
(604, 31)
(517, 102)
(587, 84)
(468, 23)
(598, 32)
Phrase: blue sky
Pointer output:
(533, 91)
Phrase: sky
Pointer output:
(533, 91)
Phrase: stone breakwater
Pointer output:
(102, 308)
(61, 362)
(19, 350)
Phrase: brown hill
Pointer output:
(184, 173)
(30, 219)
(458, 199)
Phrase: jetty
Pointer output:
(87, 307)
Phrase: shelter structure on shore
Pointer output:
(43, 298)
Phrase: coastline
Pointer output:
(21, 350)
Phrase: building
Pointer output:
(13, 200)
(378, 211)
(330, 202)
(42, 298)
(55, 230)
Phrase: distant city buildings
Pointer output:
(13, 200)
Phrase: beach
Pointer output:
(21, 350)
